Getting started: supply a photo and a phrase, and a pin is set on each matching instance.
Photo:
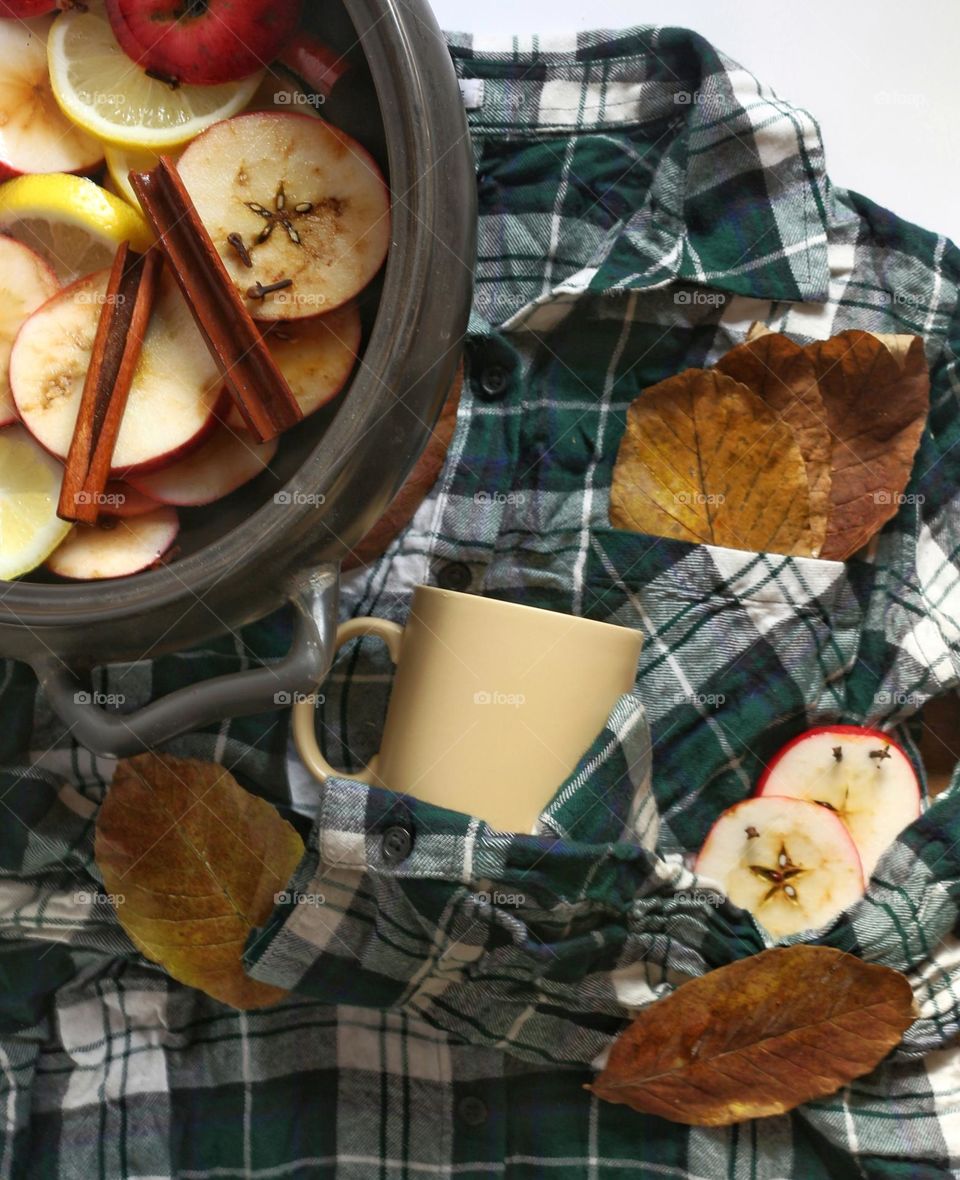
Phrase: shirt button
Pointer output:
(494, 380)
(472, 1111)
(454, 576)
(396, 844)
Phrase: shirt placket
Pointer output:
(474, 495)
(479, 1108)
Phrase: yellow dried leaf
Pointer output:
(783, 375)
(197, 861)
(758, 1037)
(705, 459)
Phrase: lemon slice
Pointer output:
(122, 160)
(105, 93)
(30, 479)
(71, 222)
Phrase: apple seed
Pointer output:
(278, 215)
(779, 877)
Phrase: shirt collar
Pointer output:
(739, 198)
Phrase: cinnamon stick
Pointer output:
(124, 313)
(249, 371)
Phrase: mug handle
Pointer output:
(304, 711)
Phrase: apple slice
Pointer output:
(312, 61)
(316, 357)
(123, 499)
(25, 9)
(306, 202)
(117, 548)
(862, 775)
(35, 135)
(28, 282)
(224, 462)
(791, 863)
(176, 387)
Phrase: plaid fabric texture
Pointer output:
(642, 200)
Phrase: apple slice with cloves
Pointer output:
(791, 863)
(859, 774)
(297, 210)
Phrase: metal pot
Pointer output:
(279, 542)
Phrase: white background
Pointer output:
(882, 77)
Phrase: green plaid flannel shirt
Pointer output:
(642, 200)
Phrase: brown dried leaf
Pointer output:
(197, 861)
(782, 373)
(758, 1037)
(704, 459)
(876, 395)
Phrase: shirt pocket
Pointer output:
(741, 651)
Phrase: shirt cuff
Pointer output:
(535, 944)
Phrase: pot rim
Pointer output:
(408, 69)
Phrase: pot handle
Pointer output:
(256, 690)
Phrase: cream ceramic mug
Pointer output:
(492, 703)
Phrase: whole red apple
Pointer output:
(203, 42)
